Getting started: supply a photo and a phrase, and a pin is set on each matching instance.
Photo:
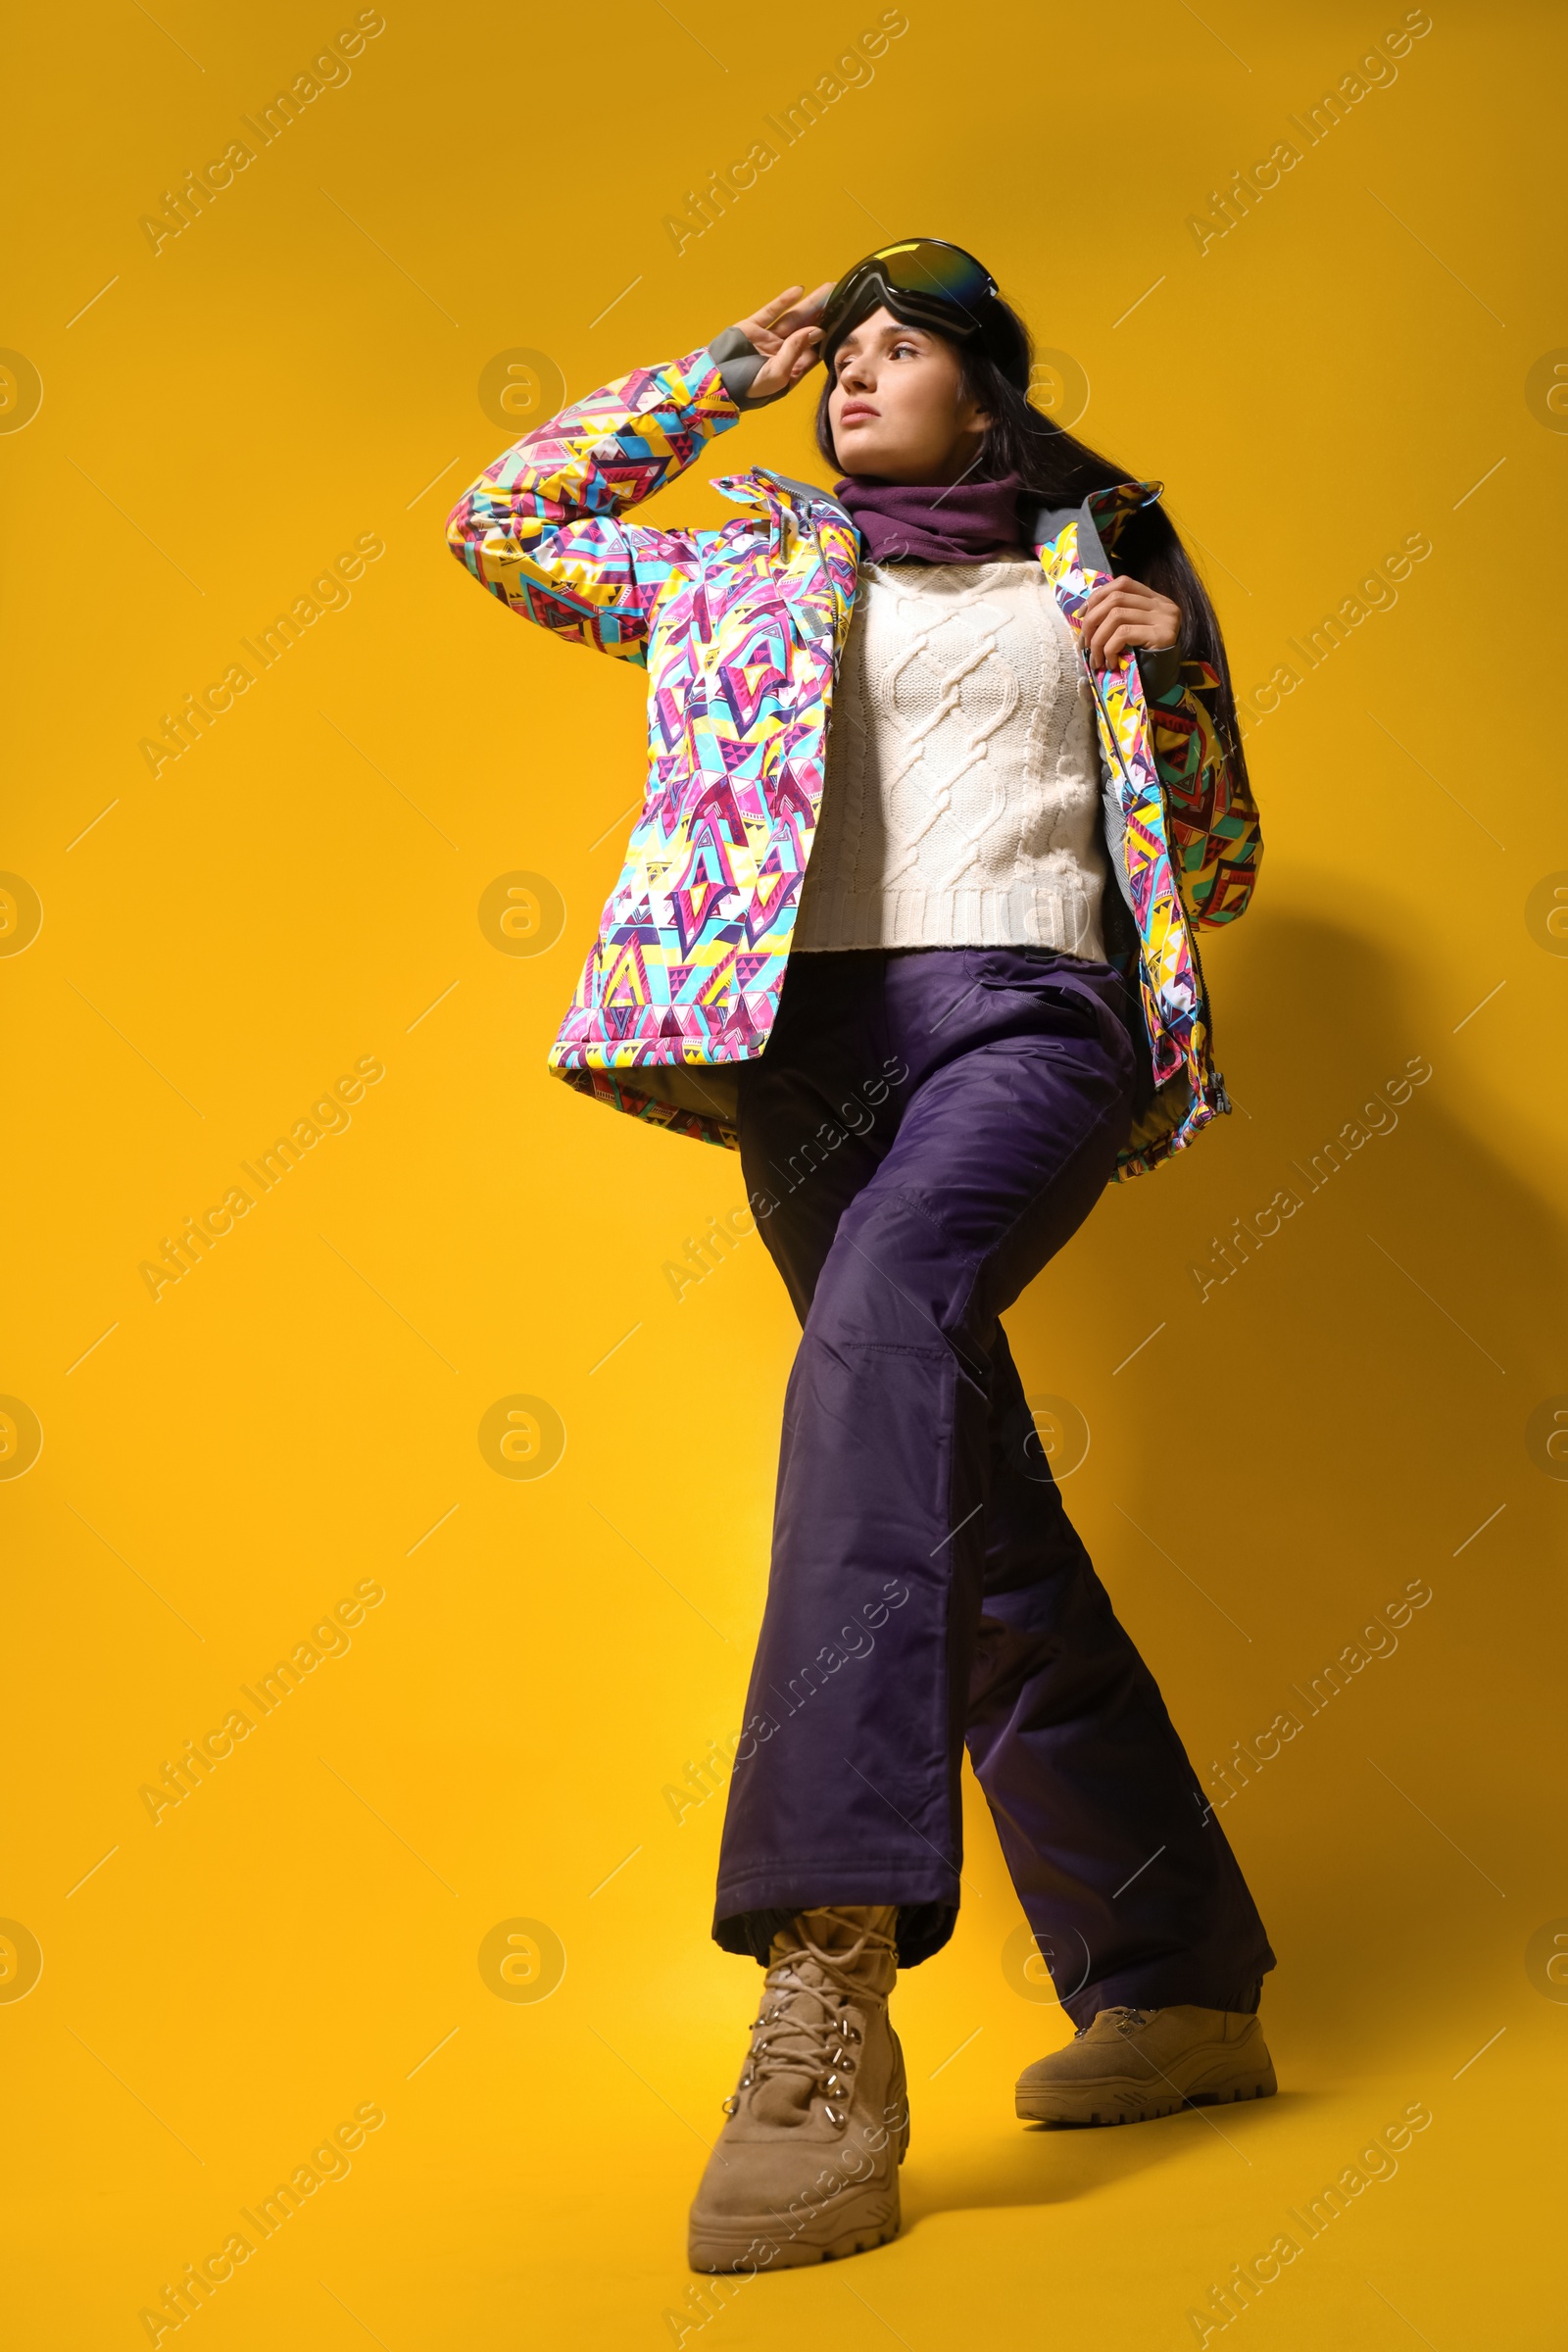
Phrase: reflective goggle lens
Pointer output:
(921, 266)
(918, 266)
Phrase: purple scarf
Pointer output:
(963, 523)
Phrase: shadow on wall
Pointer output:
(1405, 1306)
(1339, 1406)
(1313, 1023)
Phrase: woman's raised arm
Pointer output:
(541, 527)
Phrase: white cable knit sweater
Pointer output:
(961, 801)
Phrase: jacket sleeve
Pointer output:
(541, 527)
(1217, 842)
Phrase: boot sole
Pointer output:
(1129, 2103)
(725, 2248)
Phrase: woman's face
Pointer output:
(897, 408)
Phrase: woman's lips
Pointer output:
(855, 409)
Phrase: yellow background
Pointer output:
(299, 367)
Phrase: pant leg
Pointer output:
(1068, 1734)
(845, 1786)
(1122, 1869)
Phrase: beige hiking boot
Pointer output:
(1131, 2064)
(807, 2168)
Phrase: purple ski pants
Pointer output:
(925, 1129)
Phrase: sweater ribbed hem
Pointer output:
(1037, 913)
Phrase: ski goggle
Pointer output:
(928, 282)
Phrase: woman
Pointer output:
(944, 774)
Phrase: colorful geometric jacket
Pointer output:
(740, 631)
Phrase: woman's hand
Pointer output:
(783, 331)
(1123, 613)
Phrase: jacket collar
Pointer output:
(766, 491)
(1105, 512)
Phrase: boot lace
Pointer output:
(804, 2028)
(1127, 2020)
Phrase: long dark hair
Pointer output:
(1057, 469)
